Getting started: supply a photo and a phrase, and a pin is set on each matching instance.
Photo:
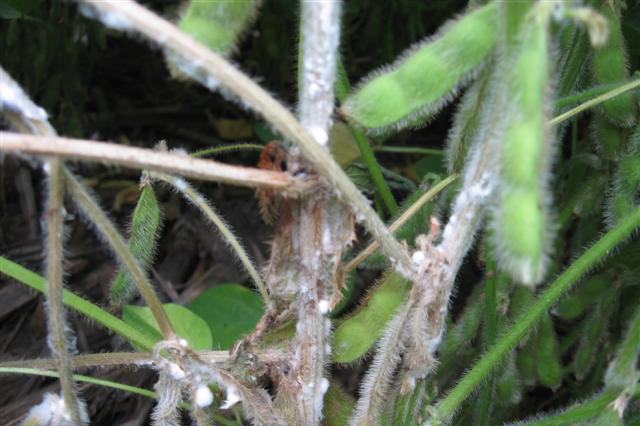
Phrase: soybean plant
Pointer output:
(451, 341)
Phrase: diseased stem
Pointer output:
(128, 16)
(447, 406)
(55, 308)
(145, 159)
(198, 200)
(106, 228)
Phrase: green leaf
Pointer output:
(230, 310)
(186, 324)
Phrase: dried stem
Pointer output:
(144, 159)
(105, 227)
(201, 203)
(58, 329)
(126, 15)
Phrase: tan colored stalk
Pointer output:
(55, 308)
(145, 159)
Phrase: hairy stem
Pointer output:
(58, 330)
(199, 201)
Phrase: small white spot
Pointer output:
(184, 343)
(323, 306)
(204, 397)
(181, 184)
(46, 167)
(176, 372)
(233, 397)
(319, 134)
(327, 349)
(418, 257)
(324, 385)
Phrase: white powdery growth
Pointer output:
(176, 372)
(323, 306)
(203, 397)
(52, 411)
(320, 38)
(233, 397)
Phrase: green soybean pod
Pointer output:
(145, 227)
(585, 295)
(508, 383)
(217, 24)
(356, 335)
(338, 405)
(426, 77)
(610, 65)
(609, 138)
(624, 193)
(521, 219)
(609, 417)
(548, 366)
(595, 333)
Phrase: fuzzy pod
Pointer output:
(356, 335)
(549, 368)
(595, 332)
(521, 220)
(526, 360)
(609, 417)
(609, 138)
(338, 405)
(580, 299)
(610, 65)
(622, 371)
(426, 77)
(466, 121)
(217, 24)
(145, 227)
(466, 327)
(624, 193)
(508, 385)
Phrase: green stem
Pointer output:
(409, 150)
(105, 227)
(587, 94)
(225, 148)
(447, 406)
(85, 307)
(595, 101)
(343, 87)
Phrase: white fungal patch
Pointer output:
(418, 257)
(319, 134)
(176, 372)
(181, 184)
(203, 397)
(323, 306)
(184, 343)
(233, 397)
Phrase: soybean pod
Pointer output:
(610, 65)
(145, 226)
(624, 194)
(521, 220)
(427, 77)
